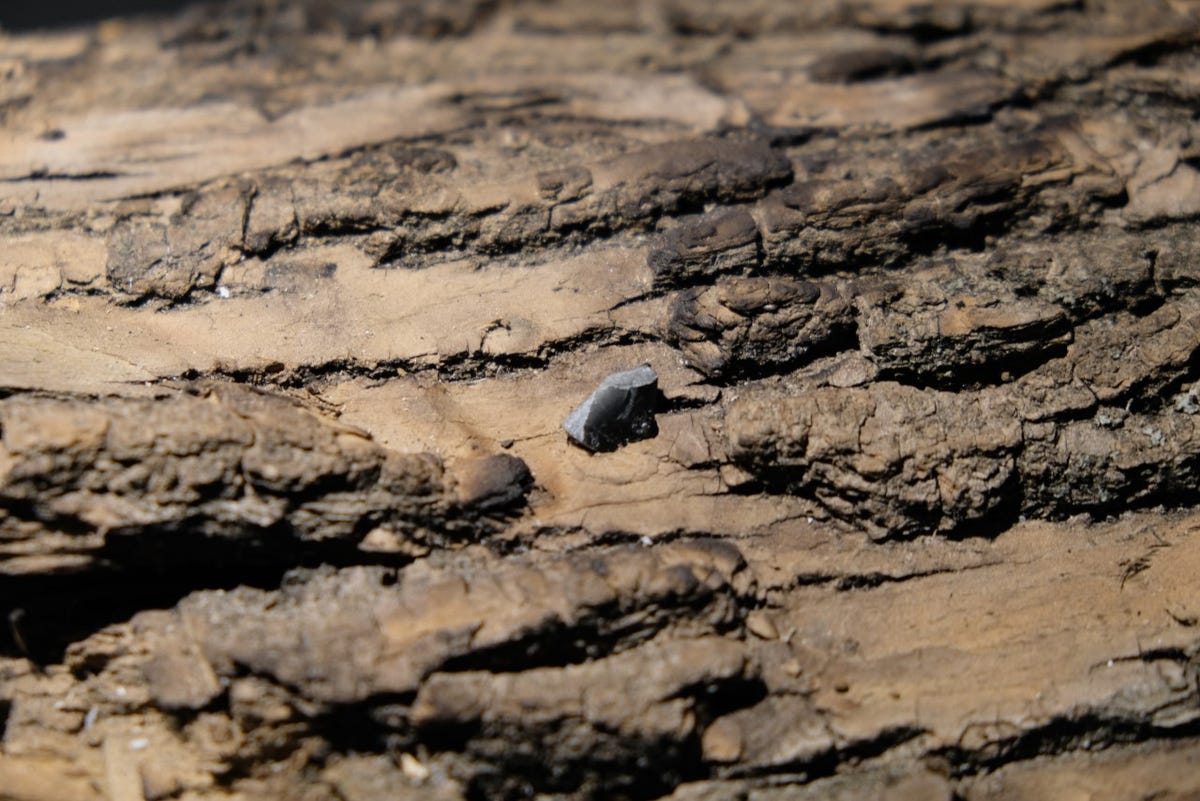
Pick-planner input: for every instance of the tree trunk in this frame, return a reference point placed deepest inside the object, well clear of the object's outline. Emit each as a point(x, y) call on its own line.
point(295, 298)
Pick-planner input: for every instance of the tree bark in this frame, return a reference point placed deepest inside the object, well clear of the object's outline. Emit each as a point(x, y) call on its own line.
point(294, 300)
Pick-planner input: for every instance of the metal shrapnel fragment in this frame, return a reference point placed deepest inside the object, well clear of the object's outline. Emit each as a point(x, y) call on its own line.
point(621, 410)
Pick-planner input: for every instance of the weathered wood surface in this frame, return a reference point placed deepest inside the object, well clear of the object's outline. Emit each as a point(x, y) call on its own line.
point(310, 287)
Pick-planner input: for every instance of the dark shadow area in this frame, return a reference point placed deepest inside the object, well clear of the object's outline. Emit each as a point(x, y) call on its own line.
point(1091, 731)
point(40, 615)
point(22, 15)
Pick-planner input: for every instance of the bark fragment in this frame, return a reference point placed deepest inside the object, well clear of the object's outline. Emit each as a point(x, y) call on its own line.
point(79, 474)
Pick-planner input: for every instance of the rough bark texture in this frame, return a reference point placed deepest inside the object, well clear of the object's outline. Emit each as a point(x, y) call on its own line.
point(294, 298)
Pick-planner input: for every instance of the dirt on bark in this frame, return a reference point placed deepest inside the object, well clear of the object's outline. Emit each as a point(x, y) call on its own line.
point(294, 300)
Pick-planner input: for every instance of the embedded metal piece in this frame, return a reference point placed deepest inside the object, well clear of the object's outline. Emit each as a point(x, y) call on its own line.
point(621, 410)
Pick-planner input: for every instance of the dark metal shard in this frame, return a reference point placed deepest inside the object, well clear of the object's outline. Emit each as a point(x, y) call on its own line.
point(621, 410)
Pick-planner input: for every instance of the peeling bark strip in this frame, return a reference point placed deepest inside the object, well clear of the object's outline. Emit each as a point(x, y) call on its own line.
point(1056, 442)
point(228, 463)
point(296, 297)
